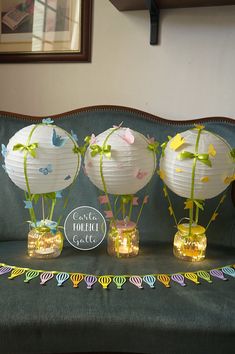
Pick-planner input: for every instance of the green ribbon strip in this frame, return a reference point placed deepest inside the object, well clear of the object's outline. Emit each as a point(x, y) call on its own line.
point(153, 146)
point(203, 158)
point(104, 150)
point(26, 148)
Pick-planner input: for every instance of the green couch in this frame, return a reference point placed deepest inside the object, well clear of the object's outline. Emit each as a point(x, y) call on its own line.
point(179, 320)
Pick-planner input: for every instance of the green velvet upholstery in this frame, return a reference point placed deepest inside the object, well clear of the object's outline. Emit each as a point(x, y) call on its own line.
point(195, 319)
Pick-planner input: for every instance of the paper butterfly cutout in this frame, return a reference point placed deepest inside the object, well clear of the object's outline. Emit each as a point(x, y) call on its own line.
point(211, 150)
point(59, 195)
point(28, 204)
point(67, 178)
point(141, 174)
point(205, 179)
point(93, 139)
point(4, 151)
point(47, 121)
point(128, 137)
point(177, 142)
point(46, 170)
point(57, 140)
point(74, 136)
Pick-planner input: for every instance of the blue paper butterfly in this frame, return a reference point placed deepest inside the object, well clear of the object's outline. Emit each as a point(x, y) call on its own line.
point(47, 121)
point(74, 136)
point(28, 204)
point(59, 195)
point(57, 140)
point(4, 151)
point(46, 170)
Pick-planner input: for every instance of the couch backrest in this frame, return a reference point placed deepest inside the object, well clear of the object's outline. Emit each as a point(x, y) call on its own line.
point(156, 224)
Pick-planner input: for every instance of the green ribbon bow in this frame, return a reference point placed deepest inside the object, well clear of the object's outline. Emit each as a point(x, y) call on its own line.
point(87, 139)
point(153, 146)
point(203, 158)
point(27, 148)
point(126, 198)
point(77, 150)
point(104, 150)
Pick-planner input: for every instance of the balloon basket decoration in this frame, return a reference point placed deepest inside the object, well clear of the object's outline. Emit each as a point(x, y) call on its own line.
point(120, 162)
point(43, 159)
point(44, 242)
point(123, 239)
point(190, 247)
point(196, 165)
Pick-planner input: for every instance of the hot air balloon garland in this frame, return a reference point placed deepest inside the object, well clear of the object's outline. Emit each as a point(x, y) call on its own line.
point(120, 162)
point(197, 165)
point(139, 281)
point(43, 159)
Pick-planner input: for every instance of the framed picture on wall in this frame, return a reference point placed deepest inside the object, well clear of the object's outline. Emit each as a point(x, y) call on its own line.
point(45, 30)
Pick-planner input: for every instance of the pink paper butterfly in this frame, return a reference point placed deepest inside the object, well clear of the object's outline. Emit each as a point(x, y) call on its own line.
point(141, 174)
point(128, 137)
point(103, 199)
point(108, 214)
point(146, 199)
point(93, 139)
point(150, 140)
point(135, 201)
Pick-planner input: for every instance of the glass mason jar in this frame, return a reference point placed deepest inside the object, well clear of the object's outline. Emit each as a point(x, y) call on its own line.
point(43, 243)
point(190, 247)
point(123, 239)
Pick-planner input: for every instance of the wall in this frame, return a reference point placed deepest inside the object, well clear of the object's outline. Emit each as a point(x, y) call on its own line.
point(190, 74)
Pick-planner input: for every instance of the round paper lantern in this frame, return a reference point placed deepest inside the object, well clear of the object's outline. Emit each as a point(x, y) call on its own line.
point(214, 164)
point(43, 155)
point(127, 167)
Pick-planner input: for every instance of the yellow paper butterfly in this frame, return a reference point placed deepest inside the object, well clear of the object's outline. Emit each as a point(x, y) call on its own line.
point(205, 179)
point(177, 142)
point(211, 150)
point(188, 204)
point(161, 174)
point(179, 170)
point(229, 179)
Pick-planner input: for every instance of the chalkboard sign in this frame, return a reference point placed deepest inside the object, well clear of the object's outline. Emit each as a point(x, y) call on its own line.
point(85, 228)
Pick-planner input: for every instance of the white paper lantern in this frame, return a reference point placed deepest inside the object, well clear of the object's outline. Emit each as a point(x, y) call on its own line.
point(209, 181)
point(55, 165)
point(130, 167)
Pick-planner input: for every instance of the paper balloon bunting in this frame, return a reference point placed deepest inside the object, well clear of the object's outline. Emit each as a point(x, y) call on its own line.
point(43, 159)
point(118, 281)
point(121, 161)
point(197, 165)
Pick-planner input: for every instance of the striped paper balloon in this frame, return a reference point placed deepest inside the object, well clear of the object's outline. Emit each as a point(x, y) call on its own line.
point(90, 281)
point(130, 167)
point(45, 277)
point(76, 278)
point(62, 278)
point(136, 280)
point(55, 164)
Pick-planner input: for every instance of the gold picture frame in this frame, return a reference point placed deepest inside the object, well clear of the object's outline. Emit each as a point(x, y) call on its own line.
point(45, 31)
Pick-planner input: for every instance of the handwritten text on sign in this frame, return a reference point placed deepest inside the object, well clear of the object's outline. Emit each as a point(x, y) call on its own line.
point(85, 228)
